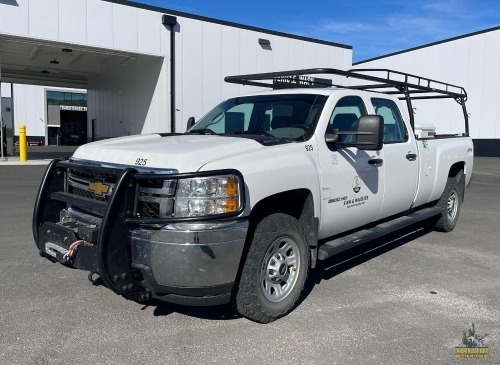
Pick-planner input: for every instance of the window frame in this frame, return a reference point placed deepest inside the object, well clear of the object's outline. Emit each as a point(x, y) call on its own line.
point(405, 129)
point(363, 104)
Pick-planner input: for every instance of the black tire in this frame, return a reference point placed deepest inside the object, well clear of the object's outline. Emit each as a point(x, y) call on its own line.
point(277, 243)
point(451, 203)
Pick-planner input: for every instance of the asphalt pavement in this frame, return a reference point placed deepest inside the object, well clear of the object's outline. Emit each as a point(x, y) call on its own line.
point(404, 299)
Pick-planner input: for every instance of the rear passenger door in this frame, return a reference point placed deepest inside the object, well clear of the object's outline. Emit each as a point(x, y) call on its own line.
point(400, 159)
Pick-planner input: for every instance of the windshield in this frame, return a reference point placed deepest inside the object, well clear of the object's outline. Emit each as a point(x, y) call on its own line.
point(291, 117)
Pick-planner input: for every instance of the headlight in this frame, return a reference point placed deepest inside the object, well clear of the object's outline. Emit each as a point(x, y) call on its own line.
point(205, 196)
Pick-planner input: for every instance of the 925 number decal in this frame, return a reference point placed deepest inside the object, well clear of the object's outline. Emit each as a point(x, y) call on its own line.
point(141, 161)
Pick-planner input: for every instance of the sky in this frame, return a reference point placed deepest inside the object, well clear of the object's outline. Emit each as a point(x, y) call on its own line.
point(374, 28)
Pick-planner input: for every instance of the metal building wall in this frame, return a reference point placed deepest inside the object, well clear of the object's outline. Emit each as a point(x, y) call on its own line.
point(207, 52)
point(131, 98)
point(472, 61)
point(94, 23)
point(30, 107)
point(5, 87)
point(134, 96)
point(122, 101)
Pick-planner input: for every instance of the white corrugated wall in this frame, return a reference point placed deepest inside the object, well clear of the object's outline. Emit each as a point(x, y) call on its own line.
point(472, 62)
point(135, 98)
point(30, 107)
point(207, 52)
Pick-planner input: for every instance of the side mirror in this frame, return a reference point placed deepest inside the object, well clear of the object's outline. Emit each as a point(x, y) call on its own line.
point(370, 133)
point(191, 121)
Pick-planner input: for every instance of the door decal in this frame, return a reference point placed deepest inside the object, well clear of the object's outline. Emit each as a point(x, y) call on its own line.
point(356, 184)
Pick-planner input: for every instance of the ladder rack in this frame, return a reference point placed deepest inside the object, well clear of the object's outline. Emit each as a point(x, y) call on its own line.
point(403, 85)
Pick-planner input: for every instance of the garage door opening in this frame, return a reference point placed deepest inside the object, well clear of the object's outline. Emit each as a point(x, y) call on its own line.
point(111, 93)
point(66, 118)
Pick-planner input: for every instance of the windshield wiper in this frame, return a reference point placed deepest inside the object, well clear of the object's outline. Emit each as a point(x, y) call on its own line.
point(261, 133)
point(202, 131)
point(257, 133)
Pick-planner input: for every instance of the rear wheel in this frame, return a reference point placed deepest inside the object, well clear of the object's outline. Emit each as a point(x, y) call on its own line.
point(450, 202)
point(275, 270)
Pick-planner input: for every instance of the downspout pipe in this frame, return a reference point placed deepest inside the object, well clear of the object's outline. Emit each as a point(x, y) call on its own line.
point(170, 22)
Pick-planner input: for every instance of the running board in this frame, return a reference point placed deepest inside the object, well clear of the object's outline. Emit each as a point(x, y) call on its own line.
point(337, 245)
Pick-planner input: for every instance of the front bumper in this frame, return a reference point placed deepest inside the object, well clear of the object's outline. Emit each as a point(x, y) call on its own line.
point(190, 263)
point(194, 263)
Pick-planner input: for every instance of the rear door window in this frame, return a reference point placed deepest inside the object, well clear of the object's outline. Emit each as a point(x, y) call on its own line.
point(394, 127)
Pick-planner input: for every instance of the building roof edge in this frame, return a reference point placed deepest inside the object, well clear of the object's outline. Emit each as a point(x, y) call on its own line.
point(429, 45)
point(227, 23)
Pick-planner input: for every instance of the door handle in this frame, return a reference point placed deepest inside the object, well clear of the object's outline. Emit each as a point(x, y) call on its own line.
point(375, 161)
point(411, 156)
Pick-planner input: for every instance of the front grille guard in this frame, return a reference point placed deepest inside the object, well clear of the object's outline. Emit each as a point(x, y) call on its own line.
point(53, 194)
point(111, 249)
point(112, 242)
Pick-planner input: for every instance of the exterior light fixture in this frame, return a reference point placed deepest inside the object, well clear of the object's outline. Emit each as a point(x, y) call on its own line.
point(264, 42)
point(169, 20)
point(54, 62)
point(67, 50)
point(44, 72)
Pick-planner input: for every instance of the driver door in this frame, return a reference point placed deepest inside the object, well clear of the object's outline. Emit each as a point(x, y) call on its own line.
point(352, 186)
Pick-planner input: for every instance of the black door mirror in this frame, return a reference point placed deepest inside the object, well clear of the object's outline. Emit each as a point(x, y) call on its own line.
point(370, 133)
point(190, 123)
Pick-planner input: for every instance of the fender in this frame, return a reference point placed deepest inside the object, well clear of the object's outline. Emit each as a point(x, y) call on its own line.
point(274, 170)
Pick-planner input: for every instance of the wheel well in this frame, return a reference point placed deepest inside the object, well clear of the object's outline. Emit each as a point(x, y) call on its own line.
point(456, 168)
point(457, 171)
point(289, 202)
point(297, 203)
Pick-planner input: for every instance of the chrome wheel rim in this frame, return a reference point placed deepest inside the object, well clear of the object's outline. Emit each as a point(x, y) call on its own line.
point(280, 269)
point(452, 206)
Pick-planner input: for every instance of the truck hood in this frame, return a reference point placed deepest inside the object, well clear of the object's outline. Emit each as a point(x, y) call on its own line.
point(185, 153)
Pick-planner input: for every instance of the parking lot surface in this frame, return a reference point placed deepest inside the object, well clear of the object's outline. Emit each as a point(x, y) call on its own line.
point(404, 299)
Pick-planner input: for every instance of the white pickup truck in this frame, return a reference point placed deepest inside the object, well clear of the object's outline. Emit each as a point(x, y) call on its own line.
point(242, 205)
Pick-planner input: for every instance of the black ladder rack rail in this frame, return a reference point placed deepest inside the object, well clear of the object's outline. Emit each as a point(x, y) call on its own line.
point(407, 86)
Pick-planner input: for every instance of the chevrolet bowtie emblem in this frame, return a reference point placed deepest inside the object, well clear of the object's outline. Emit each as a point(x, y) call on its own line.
point(98, 188)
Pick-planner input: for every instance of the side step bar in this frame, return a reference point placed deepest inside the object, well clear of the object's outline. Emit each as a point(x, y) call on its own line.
point(337, 245)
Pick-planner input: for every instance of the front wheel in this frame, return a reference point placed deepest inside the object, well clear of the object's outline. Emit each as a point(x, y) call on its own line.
point(275, 270)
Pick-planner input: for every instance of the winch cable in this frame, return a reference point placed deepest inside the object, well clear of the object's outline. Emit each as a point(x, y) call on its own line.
point(73, 248)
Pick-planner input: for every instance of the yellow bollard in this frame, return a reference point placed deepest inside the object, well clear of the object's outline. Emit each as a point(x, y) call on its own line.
point(23, 156)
